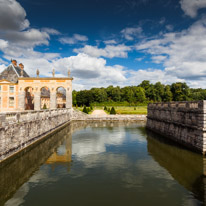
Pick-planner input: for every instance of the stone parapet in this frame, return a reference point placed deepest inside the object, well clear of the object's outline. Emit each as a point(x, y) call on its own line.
point(184, 122)
point(20, 129)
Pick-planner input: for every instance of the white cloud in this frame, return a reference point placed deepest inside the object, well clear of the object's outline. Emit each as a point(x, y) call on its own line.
point(169, 27)
point(139, 59)
point(162, 20)
point(190, 7)
point(153, 75)
point(110, 51)
point(3, 44)
point(185, 51)
point(131, 32)
point(17, 39)
point(74, 39)
point(110, 41)
point(51, 31)
point(87, 71)
point(158, 59)
point(12, 16)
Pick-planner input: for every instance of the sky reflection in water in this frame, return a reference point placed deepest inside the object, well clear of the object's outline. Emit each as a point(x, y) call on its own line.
point(113, 165)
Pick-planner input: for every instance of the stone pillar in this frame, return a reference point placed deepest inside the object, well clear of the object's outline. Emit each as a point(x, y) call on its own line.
point(37, 100)
point(69, 97)
point(21, 100)
point(53, 100)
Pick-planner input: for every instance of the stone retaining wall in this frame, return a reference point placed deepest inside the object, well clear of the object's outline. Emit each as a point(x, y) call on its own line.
point(184, 122)
point(18, 130)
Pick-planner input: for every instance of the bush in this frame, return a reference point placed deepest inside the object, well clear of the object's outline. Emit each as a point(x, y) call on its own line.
point(108, 109)
point(112, 111)
point(91, 108)
point(85, 110)
point(44, 107)
point(105, 108)
point(135, 108)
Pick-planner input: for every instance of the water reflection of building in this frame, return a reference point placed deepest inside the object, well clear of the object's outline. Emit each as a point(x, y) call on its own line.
point(14, 172)
point(186, 167)
point(63, 155)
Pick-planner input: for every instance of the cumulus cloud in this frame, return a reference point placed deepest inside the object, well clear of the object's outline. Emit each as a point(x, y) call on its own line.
point(87, 71)
point(153, 75)
point(74, 39)
point(110, 51)
point(16, 37)
point(190, 7)
point(3, 44)
point(131, 32)
point(12, 16)
point(185, 51)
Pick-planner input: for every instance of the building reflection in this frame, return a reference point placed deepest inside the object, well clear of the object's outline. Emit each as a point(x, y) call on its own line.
point(16, 171)
point(186, 167)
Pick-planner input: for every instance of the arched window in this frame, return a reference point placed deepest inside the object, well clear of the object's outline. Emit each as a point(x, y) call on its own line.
point(29, 98)
point(61, 97)
point(45, 98)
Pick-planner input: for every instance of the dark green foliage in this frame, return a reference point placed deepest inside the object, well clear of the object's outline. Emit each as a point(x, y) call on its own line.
point(44, 107)
point(108, 110)
point(91, 108)
point(112, 111)
point(85, 110)
point(105, 108)
point(135, 108)
point(135, 95)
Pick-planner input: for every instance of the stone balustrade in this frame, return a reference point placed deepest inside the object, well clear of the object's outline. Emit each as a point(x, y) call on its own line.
point(184, 122)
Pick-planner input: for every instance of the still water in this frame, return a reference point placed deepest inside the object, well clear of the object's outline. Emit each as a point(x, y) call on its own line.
point(104, 164)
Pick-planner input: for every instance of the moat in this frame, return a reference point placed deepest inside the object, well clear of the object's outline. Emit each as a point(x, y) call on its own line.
point(104, 163)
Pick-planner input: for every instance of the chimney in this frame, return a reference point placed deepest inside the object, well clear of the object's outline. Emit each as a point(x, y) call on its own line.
point(14, 62)
point(21, 66)
point(22, 69)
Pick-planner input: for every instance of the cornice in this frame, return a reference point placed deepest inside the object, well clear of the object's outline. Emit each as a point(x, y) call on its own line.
point(45, 78)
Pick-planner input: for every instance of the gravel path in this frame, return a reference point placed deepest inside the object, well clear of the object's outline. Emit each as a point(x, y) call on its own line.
point(98, 112)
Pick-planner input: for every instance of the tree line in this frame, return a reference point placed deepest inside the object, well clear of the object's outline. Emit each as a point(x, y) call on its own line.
point(141, 94)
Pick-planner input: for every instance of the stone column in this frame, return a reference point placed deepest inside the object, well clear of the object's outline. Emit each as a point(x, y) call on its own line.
point(69, 97)
point(37, 100)
point(53, 100)
point(21, 100)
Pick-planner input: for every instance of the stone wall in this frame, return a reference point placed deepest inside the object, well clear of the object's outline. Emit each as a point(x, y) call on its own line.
point(184, 122)
point(20, 129)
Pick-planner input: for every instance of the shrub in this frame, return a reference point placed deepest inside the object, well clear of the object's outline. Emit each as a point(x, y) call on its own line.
point(85, 110)
point(44, 107)
point(91, 108)
point(112, 111)
point(135, 108)
point(105, 108)
point(108, 109)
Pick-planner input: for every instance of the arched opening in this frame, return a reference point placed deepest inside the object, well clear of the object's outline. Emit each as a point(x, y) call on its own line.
point(29, 98)
point(61, 97)
point(45, 98)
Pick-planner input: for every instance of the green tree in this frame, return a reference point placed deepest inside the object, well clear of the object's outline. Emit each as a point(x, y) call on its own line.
point(112, 111)
point(85, 110)
point(139, 94)
point(180, 91)
point(167, 94)
point(44, 107)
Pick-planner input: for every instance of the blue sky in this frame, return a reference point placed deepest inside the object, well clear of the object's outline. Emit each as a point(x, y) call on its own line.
point(102, 42)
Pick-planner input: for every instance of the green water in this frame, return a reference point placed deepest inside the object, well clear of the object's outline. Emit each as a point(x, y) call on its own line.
point(104, 164)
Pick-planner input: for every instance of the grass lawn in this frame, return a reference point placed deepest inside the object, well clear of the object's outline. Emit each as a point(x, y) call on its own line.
point(124, 109)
